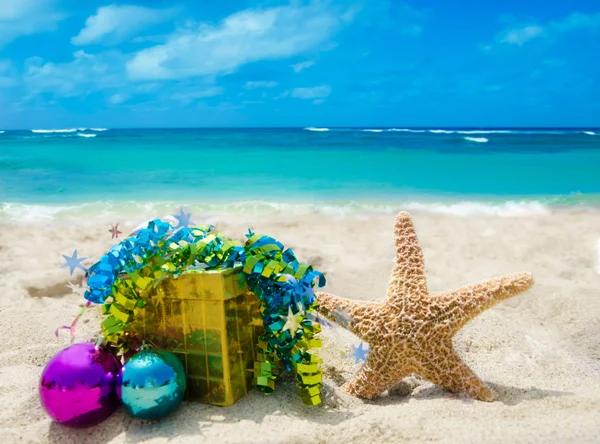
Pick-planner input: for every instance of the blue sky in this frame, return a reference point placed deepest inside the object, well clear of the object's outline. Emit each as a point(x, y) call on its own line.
point(68, 63)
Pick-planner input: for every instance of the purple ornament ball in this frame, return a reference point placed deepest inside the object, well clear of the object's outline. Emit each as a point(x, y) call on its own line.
point(77, 387)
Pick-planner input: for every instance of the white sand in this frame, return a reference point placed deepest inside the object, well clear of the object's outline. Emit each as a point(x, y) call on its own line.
point(539, 351)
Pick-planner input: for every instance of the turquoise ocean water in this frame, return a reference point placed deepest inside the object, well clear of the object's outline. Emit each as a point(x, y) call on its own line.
point(343, 167)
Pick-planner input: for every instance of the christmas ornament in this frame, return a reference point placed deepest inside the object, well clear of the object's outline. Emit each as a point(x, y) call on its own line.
point(151, 384)
point(77, 387)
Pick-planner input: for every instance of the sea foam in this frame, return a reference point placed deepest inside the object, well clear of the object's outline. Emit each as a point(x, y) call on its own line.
point(86, 135)
point(373, 130)
point(405, 130)
point(471, 208)
point(44, 131)
point(316, 129)
point(442, 131)
point(476, 139)
point(484, 131)
point(137, 211)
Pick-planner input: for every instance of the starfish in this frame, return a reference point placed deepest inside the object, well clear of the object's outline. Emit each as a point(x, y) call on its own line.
point(411, 331)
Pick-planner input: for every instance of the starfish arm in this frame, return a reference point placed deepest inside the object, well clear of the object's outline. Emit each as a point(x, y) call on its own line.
point(408, 275)
point(370, 381)
point(359, 312)
point(462, 305)
point(449, 372)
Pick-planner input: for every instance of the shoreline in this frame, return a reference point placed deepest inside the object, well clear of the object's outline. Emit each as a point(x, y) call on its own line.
point(16, 212)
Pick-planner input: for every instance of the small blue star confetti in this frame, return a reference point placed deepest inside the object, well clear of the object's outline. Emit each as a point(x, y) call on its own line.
point(115, 231)
point(183, 219)
point(73, 262)
point(359, 353)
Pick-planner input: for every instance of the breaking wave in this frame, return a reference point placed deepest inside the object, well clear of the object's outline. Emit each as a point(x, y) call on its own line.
point(86, 135)
point(558, 132)
point(140, 210)
point(44, 131)
point(443, 131)
point(504, 209)
point(476, 139)
point(405, 130)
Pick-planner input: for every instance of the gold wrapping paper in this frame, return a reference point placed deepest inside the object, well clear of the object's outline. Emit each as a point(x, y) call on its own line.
point(209, 320)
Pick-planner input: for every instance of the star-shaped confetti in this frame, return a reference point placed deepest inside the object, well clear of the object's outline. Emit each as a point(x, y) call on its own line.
point(79, 289)
point(359, 353)
point(115, 231)
point(75, 288)
point(73, 262)
point(291, 321)
point(183, 219)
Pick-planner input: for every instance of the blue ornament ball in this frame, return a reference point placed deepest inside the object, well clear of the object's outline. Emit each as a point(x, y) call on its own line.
point(151, 384)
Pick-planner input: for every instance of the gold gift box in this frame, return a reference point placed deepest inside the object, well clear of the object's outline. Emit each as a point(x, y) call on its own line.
point(210, 320)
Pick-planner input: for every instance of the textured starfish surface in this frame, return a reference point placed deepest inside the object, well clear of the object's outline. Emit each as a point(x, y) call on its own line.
point(411, 331)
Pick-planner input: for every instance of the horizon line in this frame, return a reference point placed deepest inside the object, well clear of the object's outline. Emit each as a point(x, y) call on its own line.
point(484, 127)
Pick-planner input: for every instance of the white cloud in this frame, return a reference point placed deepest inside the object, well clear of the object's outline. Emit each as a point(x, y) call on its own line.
point(302, 65)
point(521, 34)
point(117, 99)
point(115, 23)
point(260, 84)
point(317, 92)
point(396, 16)
point(192, 95)
point(578, 21)
point(411, 19)
point(283, 95)
point(85, 73)
point(26, 17)
point(88, 73)
point(243, 37)
point(7, 77)
point(412, 30)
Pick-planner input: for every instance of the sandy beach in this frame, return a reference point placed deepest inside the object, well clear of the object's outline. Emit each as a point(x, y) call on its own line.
point(539, 351)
